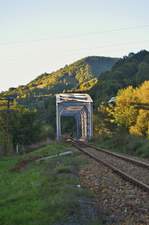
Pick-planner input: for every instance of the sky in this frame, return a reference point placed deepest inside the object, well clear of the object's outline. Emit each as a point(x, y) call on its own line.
point(38, 36)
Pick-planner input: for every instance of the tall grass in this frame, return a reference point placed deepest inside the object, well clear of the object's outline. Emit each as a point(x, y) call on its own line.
point(123, 142)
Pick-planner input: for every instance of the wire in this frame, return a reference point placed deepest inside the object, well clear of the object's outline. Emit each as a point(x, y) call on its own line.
point(73, 36)
point(107, 46)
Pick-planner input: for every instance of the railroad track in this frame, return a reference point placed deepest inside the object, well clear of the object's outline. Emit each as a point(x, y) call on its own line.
point(131, 170)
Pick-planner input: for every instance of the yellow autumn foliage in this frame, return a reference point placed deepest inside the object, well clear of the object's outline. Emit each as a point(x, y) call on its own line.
point(125, 112)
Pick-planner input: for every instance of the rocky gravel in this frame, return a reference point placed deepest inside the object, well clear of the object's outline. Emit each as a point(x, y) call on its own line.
point(119, 202)
point(133, 170)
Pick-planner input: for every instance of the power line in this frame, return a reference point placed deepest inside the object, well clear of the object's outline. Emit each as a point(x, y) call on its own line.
point(116, 30)
point(113, 45)
point(74, 36)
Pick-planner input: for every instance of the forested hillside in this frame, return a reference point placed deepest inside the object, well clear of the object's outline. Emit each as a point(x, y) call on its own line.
point(130, 70)
point(124, 124)
point(81, 74)
point(31, 117)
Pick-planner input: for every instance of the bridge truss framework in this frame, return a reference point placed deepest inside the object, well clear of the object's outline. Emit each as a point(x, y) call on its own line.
point(79, 106)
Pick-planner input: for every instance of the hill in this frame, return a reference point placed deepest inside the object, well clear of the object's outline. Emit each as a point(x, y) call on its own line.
point(130, 70)
point(87, 75)
point(71, 77)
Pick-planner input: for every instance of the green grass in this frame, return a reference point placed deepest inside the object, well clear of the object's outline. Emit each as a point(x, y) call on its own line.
point(43, 193)
point(125, 143)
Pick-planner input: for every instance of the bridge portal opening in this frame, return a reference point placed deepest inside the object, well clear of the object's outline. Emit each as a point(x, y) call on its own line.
point(68, 126)
point(78, 106)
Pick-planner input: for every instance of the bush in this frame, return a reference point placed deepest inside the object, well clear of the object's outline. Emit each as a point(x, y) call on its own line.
point(123, 142)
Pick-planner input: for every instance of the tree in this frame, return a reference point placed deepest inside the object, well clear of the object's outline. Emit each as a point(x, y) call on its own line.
point(124, 113)
point(141, 127)
point(128, 112)
point(20, 127)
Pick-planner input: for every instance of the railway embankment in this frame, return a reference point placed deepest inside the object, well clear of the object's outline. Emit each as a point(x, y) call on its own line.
point(120, 184)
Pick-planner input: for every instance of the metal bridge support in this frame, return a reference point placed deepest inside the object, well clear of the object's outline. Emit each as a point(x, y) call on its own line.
point(90, 120)
point(78, 127)
point(58, 122)
point(80, 107)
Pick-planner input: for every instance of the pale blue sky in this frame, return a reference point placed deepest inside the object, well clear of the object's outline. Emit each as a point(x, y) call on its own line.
point(39, 36)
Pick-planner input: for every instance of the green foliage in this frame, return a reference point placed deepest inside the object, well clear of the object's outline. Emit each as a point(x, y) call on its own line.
point(102, 126)
point(68, 126)
point(28, 127)
point(87, 75)
point(121, 141)
point(21, 127)
point(25, 127)
point(131, 70)
point(65, 79)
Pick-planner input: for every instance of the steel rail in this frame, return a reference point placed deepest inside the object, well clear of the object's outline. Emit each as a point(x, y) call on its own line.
point(122, 174)
point(125, 158)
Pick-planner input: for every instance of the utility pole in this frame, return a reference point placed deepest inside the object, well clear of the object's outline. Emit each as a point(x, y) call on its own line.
point(9, 100)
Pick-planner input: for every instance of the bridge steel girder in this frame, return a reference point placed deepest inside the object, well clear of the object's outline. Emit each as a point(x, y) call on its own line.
point(80, 106)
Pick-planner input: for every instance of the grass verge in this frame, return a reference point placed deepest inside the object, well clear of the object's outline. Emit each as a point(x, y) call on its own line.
point(45, 192)
point(125, 143)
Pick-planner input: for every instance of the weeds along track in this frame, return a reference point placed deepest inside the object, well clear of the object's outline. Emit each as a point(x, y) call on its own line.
point(134, 171)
